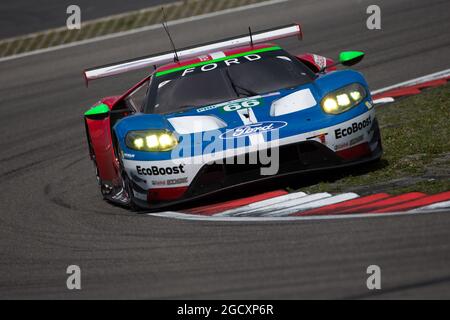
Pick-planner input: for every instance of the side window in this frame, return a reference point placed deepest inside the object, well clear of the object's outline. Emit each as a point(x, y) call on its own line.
point(135, 99)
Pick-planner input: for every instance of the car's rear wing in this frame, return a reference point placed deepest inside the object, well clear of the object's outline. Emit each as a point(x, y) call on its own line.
point(194, 51)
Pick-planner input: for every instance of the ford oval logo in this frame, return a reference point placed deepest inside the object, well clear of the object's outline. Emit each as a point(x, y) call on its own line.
point(253, 128)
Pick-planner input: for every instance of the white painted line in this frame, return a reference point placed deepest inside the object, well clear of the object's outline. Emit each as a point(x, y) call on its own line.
point(262, 204)
point(285, 205)
point(313, 204)
point(437, 205)
point(182, 216)
point(426, 78)
point(146, 28)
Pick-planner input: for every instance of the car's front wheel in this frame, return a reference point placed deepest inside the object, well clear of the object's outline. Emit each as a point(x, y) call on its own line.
point(126, 194)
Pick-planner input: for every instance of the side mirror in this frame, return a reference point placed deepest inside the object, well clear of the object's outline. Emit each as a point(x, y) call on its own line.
point(350, 58)
point(98, 112)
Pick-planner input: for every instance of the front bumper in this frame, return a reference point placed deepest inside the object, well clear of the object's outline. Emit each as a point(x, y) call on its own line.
point(298, 158)
point(158, 184)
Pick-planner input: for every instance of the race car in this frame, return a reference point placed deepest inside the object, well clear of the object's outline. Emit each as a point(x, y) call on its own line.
point(226, 114)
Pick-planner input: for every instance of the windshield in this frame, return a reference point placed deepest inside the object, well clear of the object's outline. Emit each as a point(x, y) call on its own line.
point(219, 81)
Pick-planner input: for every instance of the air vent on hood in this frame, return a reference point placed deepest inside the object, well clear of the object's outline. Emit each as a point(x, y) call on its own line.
point(194, 124)
point(300, 100)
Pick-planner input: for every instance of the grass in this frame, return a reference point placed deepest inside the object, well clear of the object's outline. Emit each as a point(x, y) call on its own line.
point(428, 186)
point(415, 135)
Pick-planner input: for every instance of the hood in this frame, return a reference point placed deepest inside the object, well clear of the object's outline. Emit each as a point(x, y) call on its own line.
point(298, 107)
point(273, 106)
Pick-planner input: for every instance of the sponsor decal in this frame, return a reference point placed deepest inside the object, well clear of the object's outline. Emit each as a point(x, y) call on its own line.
point(156, 171)
point(356, 140)
point(369, 105)
point(177, 181)
point(240, 103)
point(169, 182)
point(244, 104)
point(341, 146)
point(227, 63)
point(353, 128)
point(234, 106)
point(321, 61)
point(209, 108)
point(128, 156)
point(254, 128)
point(208, 65)
point(158, 183)
point(204, 58)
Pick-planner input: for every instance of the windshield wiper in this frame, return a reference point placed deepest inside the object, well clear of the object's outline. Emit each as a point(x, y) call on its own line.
point(247, 92)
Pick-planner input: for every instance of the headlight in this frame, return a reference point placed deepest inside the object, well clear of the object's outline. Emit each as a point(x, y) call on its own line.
point(343, 99)
point(151, 140)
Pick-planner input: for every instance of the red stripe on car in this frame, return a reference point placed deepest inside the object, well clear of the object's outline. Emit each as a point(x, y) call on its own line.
point(354, 152)
point(165, 194)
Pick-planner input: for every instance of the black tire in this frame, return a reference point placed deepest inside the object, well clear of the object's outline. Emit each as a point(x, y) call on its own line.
point(127, 186)
point(128, 189)
point(101, 185)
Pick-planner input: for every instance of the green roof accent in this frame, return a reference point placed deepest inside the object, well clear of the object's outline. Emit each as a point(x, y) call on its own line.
point(99, 109)
point(158, 74)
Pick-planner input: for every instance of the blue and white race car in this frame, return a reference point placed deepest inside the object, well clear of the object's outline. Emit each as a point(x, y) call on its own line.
point(225, 114)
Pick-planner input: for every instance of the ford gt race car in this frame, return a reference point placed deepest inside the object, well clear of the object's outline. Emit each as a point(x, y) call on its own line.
point(224, 114)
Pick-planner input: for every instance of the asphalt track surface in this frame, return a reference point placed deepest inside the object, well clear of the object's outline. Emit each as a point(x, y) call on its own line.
point(52, 215)
point(18, 17)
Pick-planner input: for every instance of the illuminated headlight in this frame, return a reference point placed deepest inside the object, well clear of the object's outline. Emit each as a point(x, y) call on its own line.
point(151, 140)
point(343, 99)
